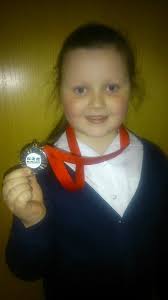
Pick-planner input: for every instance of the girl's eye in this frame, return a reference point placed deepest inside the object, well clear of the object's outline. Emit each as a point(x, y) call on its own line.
point(111, 88)
point(80, 90)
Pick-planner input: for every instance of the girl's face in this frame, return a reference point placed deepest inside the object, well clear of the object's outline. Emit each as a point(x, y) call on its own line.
point(95, 91)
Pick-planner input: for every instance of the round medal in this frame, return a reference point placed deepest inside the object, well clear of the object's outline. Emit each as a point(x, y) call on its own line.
point(34, 157)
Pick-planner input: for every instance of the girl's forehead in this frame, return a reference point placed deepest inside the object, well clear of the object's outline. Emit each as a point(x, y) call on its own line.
point(89, 62)
point(108, 53)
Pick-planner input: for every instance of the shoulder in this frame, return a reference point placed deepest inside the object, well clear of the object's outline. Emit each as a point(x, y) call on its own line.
point(154, 155)
point(149, 145)
point(155, 151)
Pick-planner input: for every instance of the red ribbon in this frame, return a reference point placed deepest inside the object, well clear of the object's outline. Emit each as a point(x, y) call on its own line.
point(57, 159)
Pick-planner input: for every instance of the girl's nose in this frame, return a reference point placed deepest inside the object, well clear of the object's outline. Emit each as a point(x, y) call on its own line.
point(97, 99)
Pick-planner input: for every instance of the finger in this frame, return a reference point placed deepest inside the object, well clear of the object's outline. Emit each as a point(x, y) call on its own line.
point(36, 189)
point(23, 198)
point(17, 173)
point(14, 193)
point(14, 182)
point(33, 180)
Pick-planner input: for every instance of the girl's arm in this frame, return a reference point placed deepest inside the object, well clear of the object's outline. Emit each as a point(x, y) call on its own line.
point(30, 251)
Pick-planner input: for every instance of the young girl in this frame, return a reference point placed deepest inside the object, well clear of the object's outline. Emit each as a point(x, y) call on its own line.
point(94, 220)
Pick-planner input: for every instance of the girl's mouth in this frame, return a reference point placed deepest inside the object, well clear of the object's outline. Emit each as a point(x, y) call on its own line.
point(96, 119)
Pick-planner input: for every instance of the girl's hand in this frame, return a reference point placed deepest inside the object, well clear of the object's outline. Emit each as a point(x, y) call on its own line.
point(23, 196)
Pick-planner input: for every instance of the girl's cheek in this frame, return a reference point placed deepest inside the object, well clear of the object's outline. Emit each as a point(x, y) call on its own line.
point(124, 108)
point(74, 105)
point(68, 110)
point(71, 111)
point(120, 104)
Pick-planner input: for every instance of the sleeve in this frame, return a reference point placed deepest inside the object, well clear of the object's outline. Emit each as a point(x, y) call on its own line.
point(157, 161)
point(32, 252)
point(162, 259)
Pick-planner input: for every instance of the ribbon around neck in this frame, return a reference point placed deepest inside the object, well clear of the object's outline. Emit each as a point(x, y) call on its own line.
point(58, 157)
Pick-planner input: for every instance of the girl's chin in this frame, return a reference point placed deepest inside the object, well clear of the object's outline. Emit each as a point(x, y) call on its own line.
point(97, 129)
point(96, 133)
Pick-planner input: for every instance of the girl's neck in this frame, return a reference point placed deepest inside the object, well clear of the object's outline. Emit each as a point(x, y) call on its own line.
point(98, 144)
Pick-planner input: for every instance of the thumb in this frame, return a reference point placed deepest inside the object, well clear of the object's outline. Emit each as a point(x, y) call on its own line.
point(37, 194)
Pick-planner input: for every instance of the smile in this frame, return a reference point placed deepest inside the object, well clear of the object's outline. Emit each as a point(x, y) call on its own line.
point(96, 119)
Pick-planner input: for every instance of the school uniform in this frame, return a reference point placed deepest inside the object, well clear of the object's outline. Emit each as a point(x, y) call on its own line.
point(109, 237)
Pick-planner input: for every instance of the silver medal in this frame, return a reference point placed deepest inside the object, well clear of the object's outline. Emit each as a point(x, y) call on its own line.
point(33, 156)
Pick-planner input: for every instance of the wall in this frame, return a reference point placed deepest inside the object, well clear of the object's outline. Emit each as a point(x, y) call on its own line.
point(31, 34)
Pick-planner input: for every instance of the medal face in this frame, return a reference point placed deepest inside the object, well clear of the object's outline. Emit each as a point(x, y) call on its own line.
point(33, 157)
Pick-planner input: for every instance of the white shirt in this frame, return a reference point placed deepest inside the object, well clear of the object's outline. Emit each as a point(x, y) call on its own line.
point(115, 180)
